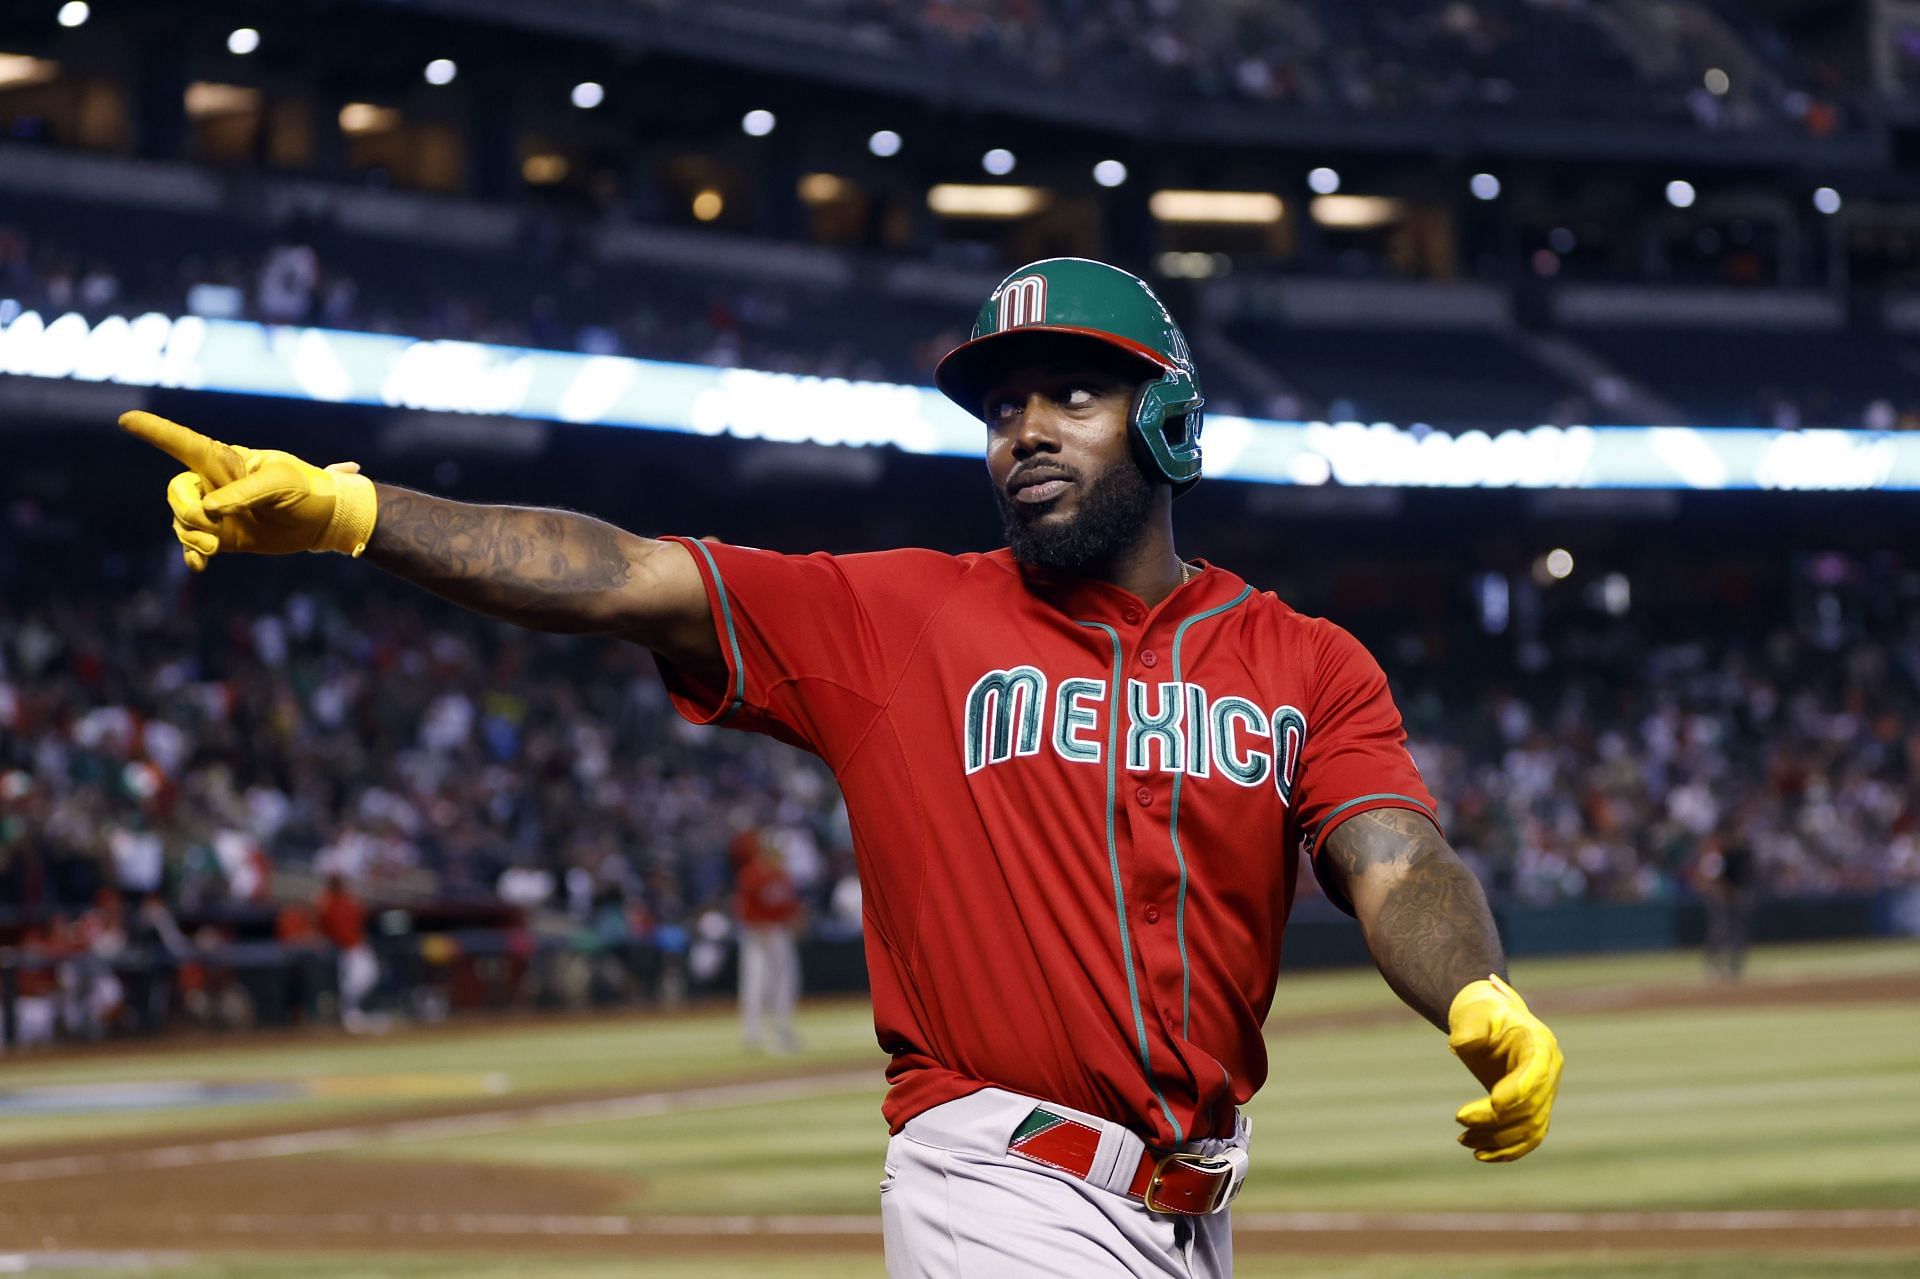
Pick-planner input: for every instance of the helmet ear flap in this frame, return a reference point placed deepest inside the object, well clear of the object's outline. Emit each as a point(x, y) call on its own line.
point(1165, 424)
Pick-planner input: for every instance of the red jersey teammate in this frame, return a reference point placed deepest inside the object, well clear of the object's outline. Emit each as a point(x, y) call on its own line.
point(1077, 770)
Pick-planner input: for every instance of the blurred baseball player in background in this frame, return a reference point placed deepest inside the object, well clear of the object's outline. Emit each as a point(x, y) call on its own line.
point(766, 906)
point(1077, 772)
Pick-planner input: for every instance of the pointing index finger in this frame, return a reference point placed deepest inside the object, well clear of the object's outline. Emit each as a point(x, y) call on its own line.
point(199, 453)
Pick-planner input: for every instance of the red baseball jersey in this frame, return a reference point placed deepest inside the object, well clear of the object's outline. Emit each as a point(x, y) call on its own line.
point(1075, 815)
point(764, 894)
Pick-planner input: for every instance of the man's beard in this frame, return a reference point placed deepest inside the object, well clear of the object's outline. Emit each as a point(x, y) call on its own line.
point(1110, 520)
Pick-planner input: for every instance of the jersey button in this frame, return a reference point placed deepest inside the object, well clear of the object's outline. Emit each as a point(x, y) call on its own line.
point(1149, 658)
point(1153, 914)
point(1131, 616)
point(1143, 796)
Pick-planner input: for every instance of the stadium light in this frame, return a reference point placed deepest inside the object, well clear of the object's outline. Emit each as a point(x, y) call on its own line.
point(965, 200)
point(441, 71)
point(1216, 206)
point(757, 123)
point(1717, 82)
point(1193, 266)
point(74, 13)
point(1680, 194)
point(205, 99)
point(242, 41)
point(822, 188)
point(19, 69)
point(1323, 181)
point(364, 117)
point(1355, 212)
point(1827, 200)
point(1484, 186)
point(884, 143)
point(587, 95)
point(999, 162)
point(1109, 173)
point(1559, 564)
point(708, 205)
point(544, 169)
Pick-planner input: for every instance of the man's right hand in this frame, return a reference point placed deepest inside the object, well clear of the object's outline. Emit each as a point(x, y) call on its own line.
point(265, 501)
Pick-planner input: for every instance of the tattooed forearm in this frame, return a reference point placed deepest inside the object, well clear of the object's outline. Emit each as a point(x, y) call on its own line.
point(1423, 913)
point(549, 570)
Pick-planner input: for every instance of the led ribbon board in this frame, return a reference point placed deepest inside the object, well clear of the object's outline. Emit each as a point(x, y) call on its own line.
point(329, 366)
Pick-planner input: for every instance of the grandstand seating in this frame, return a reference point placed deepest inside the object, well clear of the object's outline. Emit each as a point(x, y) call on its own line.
point(1398, 57)
point(1449, 378)
point(1760, 377)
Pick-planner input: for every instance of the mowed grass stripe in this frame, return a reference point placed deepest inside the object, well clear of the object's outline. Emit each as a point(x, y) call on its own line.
point(1710, 1108)
point(632, 1051)
point(535, 1055)
point(1362, 1119)
point(483, 1122)
point(820, 1156)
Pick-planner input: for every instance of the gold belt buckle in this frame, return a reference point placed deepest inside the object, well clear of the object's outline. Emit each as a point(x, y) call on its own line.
point(1212, 1164)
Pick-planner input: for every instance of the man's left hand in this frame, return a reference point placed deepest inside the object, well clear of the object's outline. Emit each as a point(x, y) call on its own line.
point(1515, 1057)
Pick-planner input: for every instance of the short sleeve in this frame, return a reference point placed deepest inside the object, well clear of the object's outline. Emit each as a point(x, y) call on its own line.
point(812, 644)
point(1355, 758)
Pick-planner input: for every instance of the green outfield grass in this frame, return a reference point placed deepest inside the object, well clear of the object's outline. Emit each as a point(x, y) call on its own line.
point(636, 1050)
point(1699, 1108)
point(1737, 1107)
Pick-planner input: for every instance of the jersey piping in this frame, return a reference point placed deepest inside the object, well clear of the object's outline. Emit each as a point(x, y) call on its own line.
point(1407, 801)
point(1173, 819)
point(1119, 888)
point(739, 695)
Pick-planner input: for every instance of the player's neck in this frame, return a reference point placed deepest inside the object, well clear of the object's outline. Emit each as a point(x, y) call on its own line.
point(1151, 568)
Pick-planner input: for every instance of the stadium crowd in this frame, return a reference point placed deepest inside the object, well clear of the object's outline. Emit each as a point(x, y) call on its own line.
point(186, 756)
point(558, 298)
point(1613, 782)
point(1565, 58)
point(412, 751)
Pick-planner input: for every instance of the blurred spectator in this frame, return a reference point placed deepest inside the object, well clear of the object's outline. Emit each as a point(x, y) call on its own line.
point(93, 991)
point(288, 278)
point(768, 908)
point(36, 1005)
point(343, 922)
point(1726, 881)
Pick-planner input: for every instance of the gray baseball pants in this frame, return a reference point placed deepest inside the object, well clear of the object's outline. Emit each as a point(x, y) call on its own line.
point(955, 1205)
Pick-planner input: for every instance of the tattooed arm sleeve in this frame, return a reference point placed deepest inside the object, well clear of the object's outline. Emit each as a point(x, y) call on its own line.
point(1421, 910)
point(549, 570)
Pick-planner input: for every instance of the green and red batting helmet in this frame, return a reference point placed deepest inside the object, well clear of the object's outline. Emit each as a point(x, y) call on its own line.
point(1036, 310)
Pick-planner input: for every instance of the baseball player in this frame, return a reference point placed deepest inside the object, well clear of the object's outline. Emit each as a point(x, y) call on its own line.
point(767, 906)
point(1077, 771)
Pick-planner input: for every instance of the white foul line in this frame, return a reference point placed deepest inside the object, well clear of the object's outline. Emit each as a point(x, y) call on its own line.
point(481, 1123)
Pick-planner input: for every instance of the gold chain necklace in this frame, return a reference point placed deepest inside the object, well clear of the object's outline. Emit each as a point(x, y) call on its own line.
point(1186, 572)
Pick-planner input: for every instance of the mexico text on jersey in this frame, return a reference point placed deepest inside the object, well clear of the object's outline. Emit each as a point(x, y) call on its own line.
point(1075, 815)
point(1168, 727)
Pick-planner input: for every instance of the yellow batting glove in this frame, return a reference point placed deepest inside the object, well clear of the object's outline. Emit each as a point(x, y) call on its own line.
point(265, 501)
point(1515, 1057)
